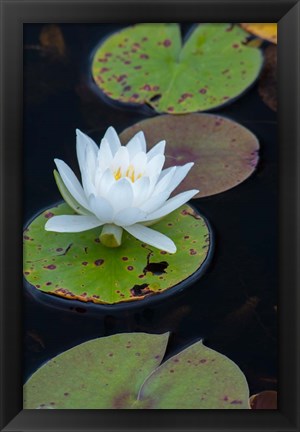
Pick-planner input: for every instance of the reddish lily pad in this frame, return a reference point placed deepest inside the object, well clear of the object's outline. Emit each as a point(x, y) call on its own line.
point(225, 153)
point(78, 266)
point(264, 400)
point(148, 64)
point(122, 372)
point(267, 86)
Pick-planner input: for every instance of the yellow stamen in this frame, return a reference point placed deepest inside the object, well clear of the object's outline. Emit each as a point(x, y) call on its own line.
point(130, 173)
point(118, 174)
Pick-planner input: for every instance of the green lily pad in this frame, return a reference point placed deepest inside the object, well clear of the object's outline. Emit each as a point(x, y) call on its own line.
point(122, 371)
point(147, 64)
point(78, 266)
point(225, 153)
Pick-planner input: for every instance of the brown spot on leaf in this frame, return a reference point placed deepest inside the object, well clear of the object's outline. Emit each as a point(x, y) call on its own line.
point(185, 96)
point(50, 267)
point(121, 401)
point(140, 290)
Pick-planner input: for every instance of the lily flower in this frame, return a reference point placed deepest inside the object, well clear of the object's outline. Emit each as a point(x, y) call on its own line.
point(123, 187)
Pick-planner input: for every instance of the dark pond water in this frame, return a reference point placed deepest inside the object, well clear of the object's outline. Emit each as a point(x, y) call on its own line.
point(233, 306)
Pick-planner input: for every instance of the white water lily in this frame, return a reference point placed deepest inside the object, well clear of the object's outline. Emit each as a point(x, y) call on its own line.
point(123, 187)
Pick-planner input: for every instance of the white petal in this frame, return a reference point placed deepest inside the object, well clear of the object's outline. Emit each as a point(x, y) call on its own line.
point(120, 195)
point(72, 224)
point(137, 144)
point(165, 181)
point(104, 157)
point(180, 174)
point(159, 148)
point(155, 202)
point(154, 167)
point(151, 237)
point(142, 139)
point(140, 190)
point(121, 160)
point(112, 137)
point(172, 204)
point(104, 183)
point(88, 173)
point(164, 172)
point(71, 182)
point(129, 216)
point(101, 208)
point(139, 162)
point(82, 142)
point(69, 199)
point(87, 151)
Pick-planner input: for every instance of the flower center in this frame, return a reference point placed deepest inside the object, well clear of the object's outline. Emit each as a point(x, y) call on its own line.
point(130, 173)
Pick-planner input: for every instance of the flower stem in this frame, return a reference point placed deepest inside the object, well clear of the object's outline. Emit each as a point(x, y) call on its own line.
point(111, 235)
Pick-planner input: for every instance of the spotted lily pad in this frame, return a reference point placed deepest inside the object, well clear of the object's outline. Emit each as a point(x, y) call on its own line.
point(122, 371)
point(148, 64)
point(266, 31)
point(78, 266)
point(225, 153)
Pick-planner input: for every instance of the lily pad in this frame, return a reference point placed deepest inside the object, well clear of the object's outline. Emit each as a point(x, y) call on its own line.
point(122, 371)
point(52, 41)
point(264, 400)
point(148, 64)
point(78, 266)
point(266, 31)
point(267, 86)
point(225, 153)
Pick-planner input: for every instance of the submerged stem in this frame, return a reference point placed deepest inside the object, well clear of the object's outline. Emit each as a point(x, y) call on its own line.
point(111, 235)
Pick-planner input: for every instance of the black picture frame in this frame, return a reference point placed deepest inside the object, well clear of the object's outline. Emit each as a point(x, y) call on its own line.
point(13, 15)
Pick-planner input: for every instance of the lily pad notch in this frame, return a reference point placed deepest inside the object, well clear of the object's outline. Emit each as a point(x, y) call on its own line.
point(147, 64)
point(126, 371)
point(77, 266)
